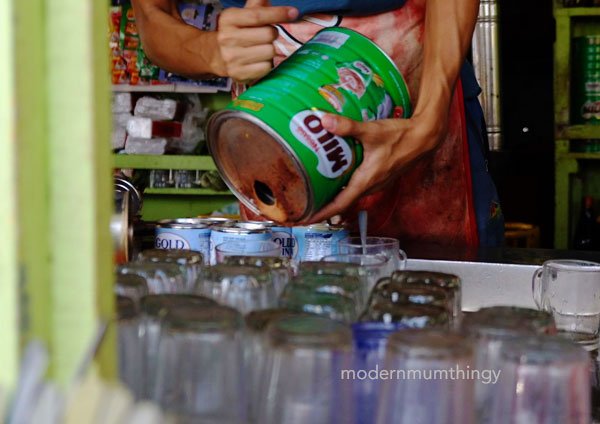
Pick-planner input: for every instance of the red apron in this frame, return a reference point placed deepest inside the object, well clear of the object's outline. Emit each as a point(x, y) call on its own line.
point(433, 201)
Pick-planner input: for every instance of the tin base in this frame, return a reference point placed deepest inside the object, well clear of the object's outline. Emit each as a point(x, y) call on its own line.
point(259, 169)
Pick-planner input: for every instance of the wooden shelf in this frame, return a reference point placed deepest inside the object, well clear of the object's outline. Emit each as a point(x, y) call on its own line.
point(187, 191)
point(577, 11)
point(578, 132)
point(164, 88)
point(575, 155)
point(191, 162)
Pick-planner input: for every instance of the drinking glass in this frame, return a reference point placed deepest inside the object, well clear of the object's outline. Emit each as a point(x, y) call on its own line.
point(190, 260)
point(491, 329)
point(449, 282)
point(132, 286)
point(336, 284)
point(370, 341)
point(281, 267)
point(153, 308)
point(247, 248)
point(410, 315)
point(543, 380)
point(388, 291)
point(303, 381)
point(244, 287)
point(162, 278)
point(200, 365)
point(390, 247)
point(303, 298)
point(570, 291)
point(255, 350)
point(129, 345)
point(430, 390)
point(375, 266)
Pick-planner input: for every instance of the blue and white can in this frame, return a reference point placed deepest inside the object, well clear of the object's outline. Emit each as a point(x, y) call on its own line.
point(235, 232)
point(281, 235)
point(316, 241)
point(183, 233)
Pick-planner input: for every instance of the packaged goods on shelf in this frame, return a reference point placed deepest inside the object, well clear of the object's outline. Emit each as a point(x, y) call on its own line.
point(121, 119)
point(131, 66)
point(155, 109)
point(145, 146)
point(121, 103)
point(147, 128)
point(119, 135)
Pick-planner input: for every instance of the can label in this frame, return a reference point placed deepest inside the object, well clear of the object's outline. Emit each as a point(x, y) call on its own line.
point(221, 234)
point(283, 236)
point(317, 241)
point(197, 239)
point(338, 71)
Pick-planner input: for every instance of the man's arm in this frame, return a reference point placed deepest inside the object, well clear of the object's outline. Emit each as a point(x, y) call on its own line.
point(391, 146)
point(242, 48)
point(172, 44)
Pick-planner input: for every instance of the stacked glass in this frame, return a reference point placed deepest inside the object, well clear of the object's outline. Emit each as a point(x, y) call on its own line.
point(191, 262)
point(431, 390)
point(303, 380)
point(448, 282)
point(491, 329)
point(153, 309)
point(199, 376)
point(281, 268)
point(335, 297)
point(244, 287)
point(161, 278)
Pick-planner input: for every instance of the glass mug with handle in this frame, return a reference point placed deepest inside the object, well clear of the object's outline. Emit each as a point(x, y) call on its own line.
point(387, 246)
point(570, 291)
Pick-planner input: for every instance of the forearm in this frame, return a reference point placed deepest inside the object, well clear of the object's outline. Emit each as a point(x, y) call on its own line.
point(449, 28)
point(174, 45)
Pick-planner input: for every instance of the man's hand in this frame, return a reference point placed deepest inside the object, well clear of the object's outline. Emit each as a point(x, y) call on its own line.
point(246, 35)
point(390, 147)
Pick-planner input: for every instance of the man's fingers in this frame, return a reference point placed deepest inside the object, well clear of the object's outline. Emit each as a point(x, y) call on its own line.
point(248, 37)
point(343, 126)
point(342, 201)
point(258, 16)
point(261, 53)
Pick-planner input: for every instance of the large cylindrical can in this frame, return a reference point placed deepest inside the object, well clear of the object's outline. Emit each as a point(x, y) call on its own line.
point(269, 143)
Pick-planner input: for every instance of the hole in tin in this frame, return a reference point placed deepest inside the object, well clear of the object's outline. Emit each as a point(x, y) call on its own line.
point(264, 193)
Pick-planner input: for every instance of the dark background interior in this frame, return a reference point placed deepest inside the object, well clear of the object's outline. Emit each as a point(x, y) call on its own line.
point(524, 169)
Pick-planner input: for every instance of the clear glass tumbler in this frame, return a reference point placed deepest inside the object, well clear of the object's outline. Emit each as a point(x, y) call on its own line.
point(427, 380)
point(303, 380)
point(244, 287)
point(543, 380)
point(200, 365)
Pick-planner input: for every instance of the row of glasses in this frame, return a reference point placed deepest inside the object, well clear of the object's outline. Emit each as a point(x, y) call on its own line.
point(492, 329)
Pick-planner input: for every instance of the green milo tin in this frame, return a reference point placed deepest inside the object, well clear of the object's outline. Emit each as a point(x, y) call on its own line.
point(269, 144)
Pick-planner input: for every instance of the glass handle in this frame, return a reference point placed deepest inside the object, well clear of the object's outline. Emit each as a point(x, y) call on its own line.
point(403, 258)
point(536, 287)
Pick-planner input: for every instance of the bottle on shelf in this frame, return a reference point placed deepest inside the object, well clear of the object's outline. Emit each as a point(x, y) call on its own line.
point(586, 234)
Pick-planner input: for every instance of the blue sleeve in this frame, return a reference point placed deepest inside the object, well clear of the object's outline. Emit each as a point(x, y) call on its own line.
point(339, 7)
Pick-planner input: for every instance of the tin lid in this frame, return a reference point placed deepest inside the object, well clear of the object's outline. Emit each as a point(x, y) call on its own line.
point(177, 256)
point(182, 223)
point(268, 177)
point(234, 229)
point(215, 220)
point(255, 224)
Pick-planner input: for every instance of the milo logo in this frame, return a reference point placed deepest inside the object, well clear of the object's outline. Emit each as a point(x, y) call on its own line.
point(333, 152)
point(170, 241)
